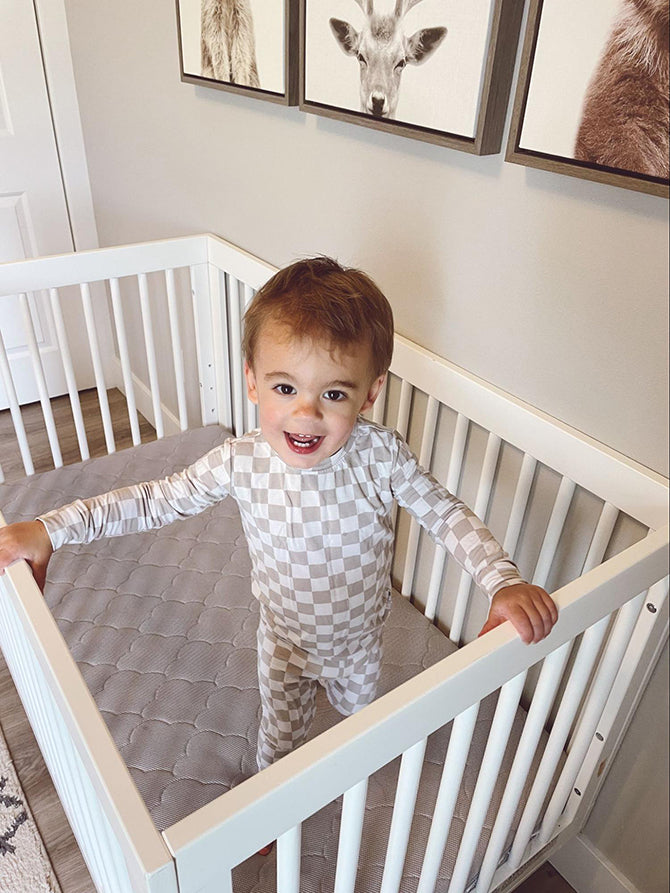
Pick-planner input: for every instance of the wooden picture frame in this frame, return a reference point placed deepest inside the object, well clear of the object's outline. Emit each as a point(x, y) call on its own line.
point(267, 66)
point(482, 36)
point(570, 110)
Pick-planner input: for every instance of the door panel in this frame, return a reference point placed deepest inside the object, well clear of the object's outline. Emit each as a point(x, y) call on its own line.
point(33, 210)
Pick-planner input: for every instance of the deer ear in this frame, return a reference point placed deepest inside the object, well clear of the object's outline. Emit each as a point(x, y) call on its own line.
point(346, 36)
point(424, 43)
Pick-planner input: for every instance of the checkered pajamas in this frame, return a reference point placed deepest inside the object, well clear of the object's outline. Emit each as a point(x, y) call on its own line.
point(320, 541)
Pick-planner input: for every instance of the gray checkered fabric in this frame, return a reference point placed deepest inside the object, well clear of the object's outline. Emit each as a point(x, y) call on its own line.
point(320, 542)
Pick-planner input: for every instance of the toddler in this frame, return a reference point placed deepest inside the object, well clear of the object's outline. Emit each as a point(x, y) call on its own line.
point(315, 485)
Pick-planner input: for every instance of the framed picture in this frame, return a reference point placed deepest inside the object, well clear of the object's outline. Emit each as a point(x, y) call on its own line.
point(592, 98)
point(243, 46)
point(435, 70)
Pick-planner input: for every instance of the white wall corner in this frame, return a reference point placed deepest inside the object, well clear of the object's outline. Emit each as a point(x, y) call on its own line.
point(586, 869)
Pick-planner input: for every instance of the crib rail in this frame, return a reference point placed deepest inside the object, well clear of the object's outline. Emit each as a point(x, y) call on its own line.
point(123, 850)
point(136, 303)
point(208, 844)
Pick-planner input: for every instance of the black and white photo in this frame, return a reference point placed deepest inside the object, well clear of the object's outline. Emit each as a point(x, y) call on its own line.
point(240, 45)
point(421, 67)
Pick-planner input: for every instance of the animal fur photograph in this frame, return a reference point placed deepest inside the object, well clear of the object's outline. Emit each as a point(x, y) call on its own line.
point(420, 62)
point(596, 93)
point(234, 43)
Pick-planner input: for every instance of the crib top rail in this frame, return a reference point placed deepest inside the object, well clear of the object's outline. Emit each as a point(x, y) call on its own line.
point(632, 488)
point(59, 271)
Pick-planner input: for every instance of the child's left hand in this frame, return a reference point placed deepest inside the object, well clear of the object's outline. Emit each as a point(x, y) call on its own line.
point(531, 610)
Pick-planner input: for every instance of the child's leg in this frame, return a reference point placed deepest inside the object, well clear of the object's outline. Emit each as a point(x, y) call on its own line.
point(288, 700)
point(357, 685)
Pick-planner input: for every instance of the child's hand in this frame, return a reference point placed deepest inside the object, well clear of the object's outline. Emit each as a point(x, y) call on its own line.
point(531, 610)
point(28, 540)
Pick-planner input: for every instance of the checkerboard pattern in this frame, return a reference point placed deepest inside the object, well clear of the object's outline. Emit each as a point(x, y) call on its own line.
point(320, 542)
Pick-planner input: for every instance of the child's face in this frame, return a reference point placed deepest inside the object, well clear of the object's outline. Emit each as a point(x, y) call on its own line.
point(308, 396)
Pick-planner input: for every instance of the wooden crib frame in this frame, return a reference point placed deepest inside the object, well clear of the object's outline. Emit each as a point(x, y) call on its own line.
point(612, 625)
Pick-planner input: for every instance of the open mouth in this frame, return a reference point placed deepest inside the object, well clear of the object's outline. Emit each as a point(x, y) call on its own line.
point(303, 443)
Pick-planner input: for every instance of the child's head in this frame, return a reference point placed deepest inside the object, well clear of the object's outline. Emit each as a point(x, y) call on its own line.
point(318, 343)
point(319, 300)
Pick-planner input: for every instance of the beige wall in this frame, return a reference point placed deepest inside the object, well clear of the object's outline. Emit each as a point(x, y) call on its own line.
point(553, 288)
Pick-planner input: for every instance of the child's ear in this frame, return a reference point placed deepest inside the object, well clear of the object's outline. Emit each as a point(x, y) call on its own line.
point(373, 392)
point(252, 392)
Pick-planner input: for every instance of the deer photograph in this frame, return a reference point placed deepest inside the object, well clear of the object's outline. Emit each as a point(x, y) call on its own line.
point(415, 66)
point(383, 47)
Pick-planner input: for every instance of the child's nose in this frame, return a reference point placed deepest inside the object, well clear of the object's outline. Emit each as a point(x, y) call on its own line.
point(307, 407)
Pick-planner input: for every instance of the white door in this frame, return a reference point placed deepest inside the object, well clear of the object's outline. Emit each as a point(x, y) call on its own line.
point(33, 210)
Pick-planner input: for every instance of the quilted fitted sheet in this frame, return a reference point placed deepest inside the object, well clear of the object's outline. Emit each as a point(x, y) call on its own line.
point(162, 626)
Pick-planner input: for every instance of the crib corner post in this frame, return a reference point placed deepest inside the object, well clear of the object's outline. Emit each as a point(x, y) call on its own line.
point(204, 340)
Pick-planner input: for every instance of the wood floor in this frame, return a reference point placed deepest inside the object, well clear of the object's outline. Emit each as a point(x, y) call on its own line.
point(42, 798)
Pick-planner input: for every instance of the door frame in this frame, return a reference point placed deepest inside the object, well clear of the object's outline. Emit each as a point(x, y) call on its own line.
point(60, 80)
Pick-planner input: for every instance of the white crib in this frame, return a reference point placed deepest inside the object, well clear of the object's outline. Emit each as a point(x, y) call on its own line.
point(583, 521)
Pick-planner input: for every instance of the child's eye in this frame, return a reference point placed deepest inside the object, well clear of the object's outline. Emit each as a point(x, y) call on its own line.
point(335, 396)
point(286, 390)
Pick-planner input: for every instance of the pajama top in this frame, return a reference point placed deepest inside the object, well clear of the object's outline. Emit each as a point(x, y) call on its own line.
point(320, 539)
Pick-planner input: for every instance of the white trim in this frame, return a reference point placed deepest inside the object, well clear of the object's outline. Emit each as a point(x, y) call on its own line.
point(61, 87)
point(586, 869)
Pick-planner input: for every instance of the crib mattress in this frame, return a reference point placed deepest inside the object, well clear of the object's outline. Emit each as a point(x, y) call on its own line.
point(162, 626)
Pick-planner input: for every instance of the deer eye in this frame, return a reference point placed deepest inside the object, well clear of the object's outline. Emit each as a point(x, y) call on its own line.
point(400, 65)
point(361, 59)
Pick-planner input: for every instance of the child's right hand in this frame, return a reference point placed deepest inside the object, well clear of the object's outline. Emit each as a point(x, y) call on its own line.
point(28, 540)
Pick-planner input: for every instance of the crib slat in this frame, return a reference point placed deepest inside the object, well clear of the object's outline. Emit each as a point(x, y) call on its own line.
point(402, 421)
point(453, 480)
point(252, 409)
point(15, 409)
point(66, 358)
point(120, 326)
point(288, 861)
point(578, 679)
point(150, 348)
point(601, 537)
point(236, 354)
point(380, 404)
point(425, 454)
point(177, 351)
point(97, 366)
point(554, 530)
point(403, 813)
point(351, 828)
point(508, 702)
point(600, 689)
point(545, 692)
point(447, 795)
point(519, 505)
point(481, 510)
point(40, 381)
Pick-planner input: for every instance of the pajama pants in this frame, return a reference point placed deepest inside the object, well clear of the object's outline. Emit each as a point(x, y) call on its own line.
point(288, 679)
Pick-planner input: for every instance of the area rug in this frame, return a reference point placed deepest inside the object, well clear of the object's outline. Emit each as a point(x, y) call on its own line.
point(24, 864)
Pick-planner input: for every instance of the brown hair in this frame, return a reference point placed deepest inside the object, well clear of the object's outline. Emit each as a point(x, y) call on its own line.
point(319, 299)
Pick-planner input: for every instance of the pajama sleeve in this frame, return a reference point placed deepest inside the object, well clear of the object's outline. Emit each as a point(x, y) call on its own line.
point(143, 506)
point(451, 523)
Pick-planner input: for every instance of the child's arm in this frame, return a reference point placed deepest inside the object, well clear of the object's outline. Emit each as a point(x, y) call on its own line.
point(30, 541)
point(450, 522)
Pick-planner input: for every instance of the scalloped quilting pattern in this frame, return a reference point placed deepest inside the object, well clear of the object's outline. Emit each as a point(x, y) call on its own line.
point(163, 627)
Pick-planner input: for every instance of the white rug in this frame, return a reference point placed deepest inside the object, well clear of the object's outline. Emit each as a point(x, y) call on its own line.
point(24, 864)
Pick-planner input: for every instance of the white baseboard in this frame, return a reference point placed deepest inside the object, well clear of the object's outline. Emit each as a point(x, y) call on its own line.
point(587, 870)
